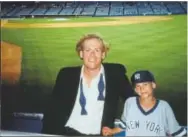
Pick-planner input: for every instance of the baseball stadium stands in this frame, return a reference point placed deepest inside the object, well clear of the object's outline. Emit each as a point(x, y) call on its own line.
point(20, 9)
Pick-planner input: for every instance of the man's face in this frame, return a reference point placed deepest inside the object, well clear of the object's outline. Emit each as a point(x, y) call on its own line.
point(145, 89)
point(92, 53)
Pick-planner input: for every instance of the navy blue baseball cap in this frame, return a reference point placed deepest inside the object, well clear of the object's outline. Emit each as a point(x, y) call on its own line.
point(142, 76)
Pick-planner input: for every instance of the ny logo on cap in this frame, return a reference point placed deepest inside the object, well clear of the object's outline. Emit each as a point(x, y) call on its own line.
point(137, 76)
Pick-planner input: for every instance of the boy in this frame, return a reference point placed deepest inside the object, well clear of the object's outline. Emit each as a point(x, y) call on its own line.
point(145, 115)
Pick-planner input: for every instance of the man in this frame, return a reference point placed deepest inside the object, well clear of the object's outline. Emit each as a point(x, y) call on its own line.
point(85, 98)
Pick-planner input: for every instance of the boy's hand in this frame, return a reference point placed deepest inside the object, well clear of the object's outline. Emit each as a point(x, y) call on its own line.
point(106, 131)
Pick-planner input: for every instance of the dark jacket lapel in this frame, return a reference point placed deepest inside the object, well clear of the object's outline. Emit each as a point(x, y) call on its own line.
point(73, 87)
point(107, 97)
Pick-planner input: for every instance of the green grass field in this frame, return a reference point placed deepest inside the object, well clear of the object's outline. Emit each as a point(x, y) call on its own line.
point(159, 47)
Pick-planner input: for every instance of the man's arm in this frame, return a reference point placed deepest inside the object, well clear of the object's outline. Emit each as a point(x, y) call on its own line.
point(50, 114)
point(125, 87)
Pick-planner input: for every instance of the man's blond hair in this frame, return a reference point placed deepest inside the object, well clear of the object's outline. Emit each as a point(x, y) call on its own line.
point(79, 45)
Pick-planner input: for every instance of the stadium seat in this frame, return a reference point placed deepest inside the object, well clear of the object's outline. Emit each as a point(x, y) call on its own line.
point(27, 122)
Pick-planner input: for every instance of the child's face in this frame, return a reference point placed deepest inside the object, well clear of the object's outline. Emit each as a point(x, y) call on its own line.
point(145, 89)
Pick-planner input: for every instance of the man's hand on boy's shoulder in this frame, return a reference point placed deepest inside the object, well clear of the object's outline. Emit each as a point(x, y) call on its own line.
point(106, 131)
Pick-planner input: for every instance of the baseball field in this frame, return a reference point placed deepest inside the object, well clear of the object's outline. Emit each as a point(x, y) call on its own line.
point(157, 43)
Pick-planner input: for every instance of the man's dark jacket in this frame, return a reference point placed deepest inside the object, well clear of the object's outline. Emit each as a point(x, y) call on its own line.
point(65, 91)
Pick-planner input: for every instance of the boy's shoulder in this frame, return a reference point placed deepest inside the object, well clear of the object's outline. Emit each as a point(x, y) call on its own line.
point(163, 103)
point(131, 99)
